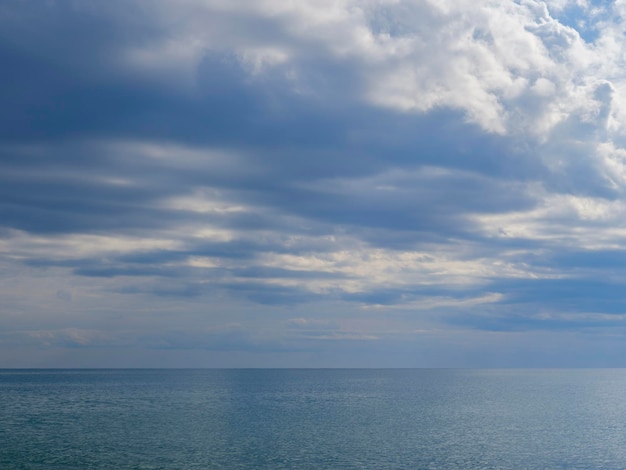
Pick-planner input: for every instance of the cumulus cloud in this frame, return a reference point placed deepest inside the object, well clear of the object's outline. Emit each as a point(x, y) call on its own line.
point(309, 171)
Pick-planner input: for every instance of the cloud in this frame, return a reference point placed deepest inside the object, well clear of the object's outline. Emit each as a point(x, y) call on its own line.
point(365, 168)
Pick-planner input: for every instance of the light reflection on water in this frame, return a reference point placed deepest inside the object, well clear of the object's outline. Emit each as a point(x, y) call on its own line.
point(305, 418)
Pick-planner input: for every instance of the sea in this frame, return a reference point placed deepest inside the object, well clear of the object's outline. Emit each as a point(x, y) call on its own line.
point(313, 419)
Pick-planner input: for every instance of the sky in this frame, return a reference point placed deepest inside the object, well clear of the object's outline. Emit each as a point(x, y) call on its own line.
point(313, 183)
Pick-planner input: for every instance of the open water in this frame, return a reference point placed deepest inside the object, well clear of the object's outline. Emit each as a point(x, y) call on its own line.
point(313, 419)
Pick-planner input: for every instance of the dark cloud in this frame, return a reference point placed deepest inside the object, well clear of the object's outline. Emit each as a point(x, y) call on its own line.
point(200, 155)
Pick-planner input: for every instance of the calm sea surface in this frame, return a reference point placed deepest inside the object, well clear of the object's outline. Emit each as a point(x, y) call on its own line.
point(309, 419)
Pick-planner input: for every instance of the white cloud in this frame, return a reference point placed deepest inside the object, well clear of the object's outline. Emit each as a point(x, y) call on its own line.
point(403, 232)
point(510, 67)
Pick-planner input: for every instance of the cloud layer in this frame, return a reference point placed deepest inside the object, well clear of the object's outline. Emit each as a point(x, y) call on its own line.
point(271, 183)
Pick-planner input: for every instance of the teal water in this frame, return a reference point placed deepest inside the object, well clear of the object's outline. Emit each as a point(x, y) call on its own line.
point(312, 419)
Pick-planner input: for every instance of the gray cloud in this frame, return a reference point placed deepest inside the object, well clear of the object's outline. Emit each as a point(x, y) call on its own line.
point(353, 168)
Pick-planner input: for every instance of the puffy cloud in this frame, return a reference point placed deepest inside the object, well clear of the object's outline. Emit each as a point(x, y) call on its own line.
point(194, 175)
